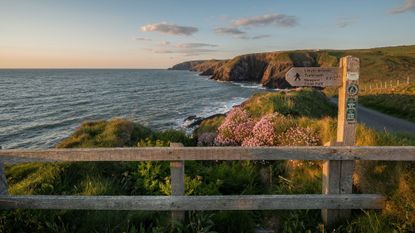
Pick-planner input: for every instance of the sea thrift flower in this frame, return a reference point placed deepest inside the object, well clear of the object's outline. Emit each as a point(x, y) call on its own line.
point(251, 142)
point(235, 128)
point(243, 130)
point(224, 141)
point(298, 136)
point(206, 139)
point(262, 133)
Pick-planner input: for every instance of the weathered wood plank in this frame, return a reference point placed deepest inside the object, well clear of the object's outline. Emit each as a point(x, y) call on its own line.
point(177, 183)
point(3, 180)
point(166, 203)
point(338, 175)
point(392, 153)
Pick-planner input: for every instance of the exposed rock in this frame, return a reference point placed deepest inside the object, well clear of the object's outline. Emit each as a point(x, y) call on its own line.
point(193, 120)
point(204, 67)
point(187, 65)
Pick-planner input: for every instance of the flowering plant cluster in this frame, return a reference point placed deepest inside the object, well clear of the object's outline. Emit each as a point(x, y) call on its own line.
point(262, 134)
point(235, 128)
point(239, 128)
point(299, 136)
point(206, 139)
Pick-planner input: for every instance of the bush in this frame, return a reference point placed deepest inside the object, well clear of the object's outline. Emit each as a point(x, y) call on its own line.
point(113, 133)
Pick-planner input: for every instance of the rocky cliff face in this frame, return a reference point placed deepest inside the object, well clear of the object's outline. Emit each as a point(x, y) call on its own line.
point(204, 67)
point(266, 68)
point(377, 64)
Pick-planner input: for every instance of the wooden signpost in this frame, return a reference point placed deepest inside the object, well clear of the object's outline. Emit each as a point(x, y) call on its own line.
point(313, 77)
point(337, 175)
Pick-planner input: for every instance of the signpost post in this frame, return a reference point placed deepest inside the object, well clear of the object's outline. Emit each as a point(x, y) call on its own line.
point(337, 175)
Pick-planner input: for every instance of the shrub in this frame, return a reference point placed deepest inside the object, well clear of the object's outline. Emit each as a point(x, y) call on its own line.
point(112, 133)
point(299, 136)
point(206, 139)
point(262, 133)
point(235, 128)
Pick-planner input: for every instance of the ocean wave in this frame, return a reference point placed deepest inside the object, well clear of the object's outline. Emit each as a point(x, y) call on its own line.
point(249, 85)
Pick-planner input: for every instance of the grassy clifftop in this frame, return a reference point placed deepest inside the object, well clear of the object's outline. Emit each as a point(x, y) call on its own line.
point(304, 116)
point(397, 101)
point(269, 68)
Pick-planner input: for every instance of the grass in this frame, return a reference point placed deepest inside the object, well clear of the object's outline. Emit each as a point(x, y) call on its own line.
point(383, 64)
point(308, 102)
point(395, 180)
point(399, 102)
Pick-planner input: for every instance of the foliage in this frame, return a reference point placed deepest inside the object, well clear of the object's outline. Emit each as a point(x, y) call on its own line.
point(113, 133)
point(209, 125)
point(206, 139)
point(267, 116)
point(239, 128)
point(304, 102)
point(398, 102)
point(235, 128)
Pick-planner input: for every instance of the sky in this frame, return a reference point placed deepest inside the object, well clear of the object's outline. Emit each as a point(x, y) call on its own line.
point(159, 34)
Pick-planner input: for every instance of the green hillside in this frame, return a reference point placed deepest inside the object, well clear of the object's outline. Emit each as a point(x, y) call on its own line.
point(269, 68)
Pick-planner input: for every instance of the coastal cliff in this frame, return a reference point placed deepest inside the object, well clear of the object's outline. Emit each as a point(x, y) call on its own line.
point(204, 67)
point(269, 68)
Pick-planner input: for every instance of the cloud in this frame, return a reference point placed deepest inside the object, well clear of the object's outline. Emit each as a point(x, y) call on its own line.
point(260, 37)
point(408, 5)
point(345, 22)
point(142, 39)
point(161, 50)
point(171, 29)
point(281, 20)
point(229, 31)
point(164, 43)
point(184, 51)
point(195, 45)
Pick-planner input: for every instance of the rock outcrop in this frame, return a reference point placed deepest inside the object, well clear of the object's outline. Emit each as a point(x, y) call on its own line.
point(204, 67)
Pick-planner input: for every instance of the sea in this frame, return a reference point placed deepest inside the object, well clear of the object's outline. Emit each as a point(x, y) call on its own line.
point(40, 107)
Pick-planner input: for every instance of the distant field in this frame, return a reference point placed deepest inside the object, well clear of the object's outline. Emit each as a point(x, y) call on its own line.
point(383, 64)
point(398, 101)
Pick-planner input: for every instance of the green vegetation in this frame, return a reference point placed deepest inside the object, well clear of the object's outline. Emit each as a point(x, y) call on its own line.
point(308, 102)
point(376, 64)
point(382, 64)
point(398, 101)
point(307, 108)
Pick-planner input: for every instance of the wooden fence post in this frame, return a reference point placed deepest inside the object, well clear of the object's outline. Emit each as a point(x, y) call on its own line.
point(3, 180)
point(397, 83)
point(338, 175)
point(177, 183)
point(407, 80)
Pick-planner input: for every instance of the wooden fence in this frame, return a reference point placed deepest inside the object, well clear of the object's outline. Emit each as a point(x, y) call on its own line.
point(376, 86)
point(178, 202)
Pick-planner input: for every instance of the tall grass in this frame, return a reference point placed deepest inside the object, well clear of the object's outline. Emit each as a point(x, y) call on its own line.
point(395, 180)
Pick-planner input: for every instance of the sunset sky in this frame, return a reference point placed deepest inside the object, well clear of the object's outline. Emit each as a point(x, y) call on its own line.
point(158, 34)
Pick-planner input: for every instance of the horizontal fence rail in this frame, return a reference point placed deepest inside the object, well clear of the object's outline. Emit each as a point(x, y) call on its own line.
point(328, 202)
point(393, 153)
point(164, 203)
